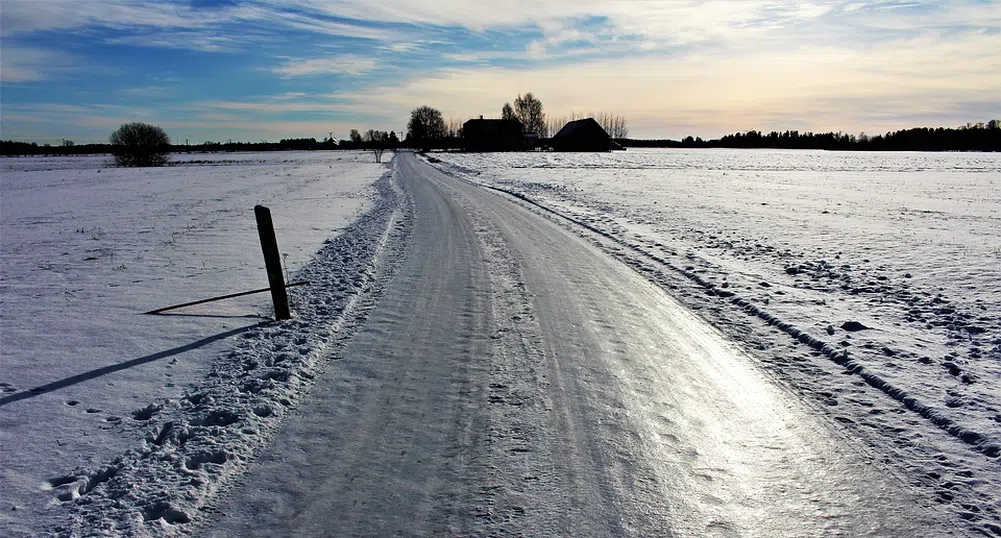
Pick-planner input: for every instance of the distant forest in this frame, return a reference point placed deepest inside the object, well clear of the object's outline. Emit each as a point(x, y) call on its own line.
point(969, 137)
point(9, 147)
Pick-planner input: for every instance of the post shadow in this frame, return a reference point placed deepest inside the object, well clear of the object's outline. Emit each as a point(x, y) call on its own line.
point(86, 376)
point(214, 316)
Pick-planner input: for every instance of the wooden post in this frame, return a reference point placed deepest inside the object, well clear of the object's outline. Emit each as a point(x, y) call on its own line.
point(266, 231)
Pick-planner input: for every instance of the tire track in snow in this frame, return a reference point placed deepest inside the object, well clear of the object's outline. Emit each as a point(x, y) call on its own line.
point(950, 476)
point(975, 440)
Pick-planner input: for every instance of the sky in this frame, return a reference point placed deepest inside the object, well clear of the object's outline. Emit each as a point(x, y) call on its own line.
point(208, 70)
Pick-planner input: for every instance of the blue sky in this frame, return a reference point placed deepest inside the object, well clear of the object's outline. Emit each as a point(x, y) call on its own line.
point(247, 70)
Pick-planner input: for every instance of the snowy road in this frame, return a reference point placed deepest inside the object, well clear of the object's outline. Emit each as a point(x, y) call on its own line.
point(515, 380)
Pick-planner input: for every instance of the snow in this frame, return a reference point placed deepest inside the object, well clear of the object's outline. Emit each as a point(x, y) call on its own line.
point(141, 421)
point(782, 250)
point(513, 380)
point(86, 249)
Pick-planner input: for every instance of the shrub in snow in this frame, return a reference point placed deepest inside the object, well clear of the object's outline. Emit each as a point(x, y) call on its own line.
point(140, 144)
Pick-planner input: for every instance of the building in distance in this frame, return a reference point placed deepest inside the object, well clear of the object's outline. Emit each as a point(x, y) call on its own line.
point(582, 135)
point(493, 135)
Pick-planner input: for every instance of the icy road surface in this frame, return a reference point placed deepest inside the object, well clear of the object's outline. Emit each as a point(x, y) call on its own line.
point(516, 380)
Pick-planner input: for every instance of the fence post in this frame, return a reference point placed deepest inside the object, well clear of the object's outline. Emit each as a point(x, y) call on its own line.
point(272, 262)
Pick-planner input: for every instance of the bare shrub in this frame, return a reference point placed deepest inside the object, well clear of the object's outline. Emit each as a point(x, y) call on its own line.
point(140, 144)
point(377, 141)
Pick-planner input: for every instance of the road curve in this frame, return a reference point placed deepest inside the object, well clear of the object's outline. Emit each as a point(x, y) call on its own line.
point(515, 380)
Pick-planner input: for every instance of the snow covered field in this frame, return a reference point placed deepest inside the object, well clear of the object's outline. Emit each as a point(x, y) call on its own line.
point(868, 282)
point(86, 249)
point(869, 285)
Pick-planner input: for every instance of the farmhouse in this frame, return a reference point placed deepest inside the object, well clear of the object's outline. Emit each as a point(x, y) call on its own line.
point(492, 135)
point(582, 135)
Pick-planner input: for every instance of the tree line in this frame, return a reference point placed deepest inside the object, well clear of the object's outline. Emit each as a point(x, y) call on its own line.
point(983, 136)
point(428, 128)
point(366, 141)
point(616, 126)
point(529, 111)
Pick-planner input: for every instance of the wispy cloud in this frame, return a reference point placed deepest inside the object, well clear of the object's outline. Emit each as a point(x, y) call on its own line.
point(145, 91)
point(57, 110)
point(269, 107)
point(314, 21)
point(197, 40)
point(180, 25)
point(50, 122)
point(290, 95)
point(29, 64)
point(344, 64)
point(26, 17)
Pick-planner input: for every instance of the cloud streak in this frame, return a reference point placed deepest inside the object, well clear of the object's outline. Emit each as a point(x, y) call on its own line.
point(344, 64)
point(29, 64)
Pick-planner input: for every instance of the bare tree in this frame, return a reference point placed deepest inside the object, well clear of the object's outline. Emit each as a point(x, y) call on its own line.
point(377, 143)
point(507, 113)
point(454, 128)
point(621, 127)
point(616, 126)
point(554, 124)
point(140, 144)
point(426, 126)
point(355, 136)
point(528, 110)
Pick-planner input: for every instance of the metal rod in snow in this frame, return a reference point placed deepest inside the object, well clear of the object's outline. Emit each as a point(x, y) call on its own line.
point(221, 297)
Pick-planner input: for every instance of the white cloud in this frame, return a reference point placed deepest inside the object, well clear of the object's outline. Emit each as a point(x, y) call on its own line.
point(270, 107)
point(27, 64)
point(176, 24)
point(643, 15)
point(23, 17)
point(145, 91)
point(279, 16)
point(344, 64)
point(59, 110)
point(640, 24)
point(679, 21)
point(289, 95)
point(668, 24)
point(203, 41)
